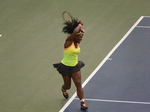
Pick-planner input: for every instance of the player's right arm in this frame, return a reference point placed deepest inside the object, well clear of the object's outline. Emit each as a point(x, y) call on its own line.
point(71, 37)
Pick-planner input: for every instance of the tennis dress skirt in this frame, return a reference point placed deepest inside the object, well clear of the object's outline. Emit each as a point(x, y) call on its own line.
point(68, 70)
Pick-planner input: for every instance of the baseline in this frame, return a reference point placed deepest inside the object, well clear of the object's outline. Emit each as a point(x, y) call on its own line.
point(116, 101)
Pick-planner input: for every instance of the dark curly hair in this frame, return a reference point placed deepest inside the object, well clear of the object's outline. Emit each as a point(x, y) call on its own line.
point(70, 26)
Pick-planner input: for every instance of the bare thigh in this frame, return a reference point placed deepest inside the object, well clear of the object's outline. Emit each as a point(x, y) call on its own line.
point(77, 79)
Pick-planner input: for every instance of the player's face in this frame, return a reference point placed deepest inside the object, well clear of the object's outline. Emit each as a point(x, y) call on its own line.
point(79, 37)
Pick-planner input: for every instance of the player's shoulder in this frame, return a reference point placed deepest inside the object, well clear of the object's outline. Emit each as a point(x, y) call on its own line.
point(67, 43)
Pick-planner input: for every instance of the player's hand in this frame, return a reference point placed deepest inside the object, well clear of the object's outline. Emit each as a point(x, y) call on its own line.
point(80, 22)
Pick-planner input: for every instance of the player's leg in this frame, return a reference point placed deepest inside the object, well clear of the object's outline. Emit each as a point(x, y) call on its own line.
point(77, 81)
point(66, 85)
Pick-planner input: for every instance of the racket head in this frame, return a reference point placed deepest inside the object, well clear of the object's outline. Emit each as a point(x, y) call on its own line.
point(67, 17)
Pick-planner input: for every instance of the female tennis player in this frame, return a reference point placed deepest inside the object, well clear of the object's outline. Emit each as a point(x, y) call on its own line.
point(70, 67)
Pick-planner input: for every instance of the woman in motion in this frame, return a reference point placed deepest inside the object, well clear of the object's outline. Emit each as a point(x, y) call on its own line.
point(70, 66)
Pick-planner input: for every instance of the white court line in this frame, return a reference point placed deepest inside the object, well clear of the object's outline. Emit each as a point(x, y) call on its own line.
point(116, 101)
point(100, 65)
point(146, 16)
point(143, 26)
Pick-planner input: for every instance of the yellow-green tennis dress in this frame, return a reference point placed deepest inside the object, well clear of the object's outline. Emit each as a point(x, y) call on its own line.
point(71, 55)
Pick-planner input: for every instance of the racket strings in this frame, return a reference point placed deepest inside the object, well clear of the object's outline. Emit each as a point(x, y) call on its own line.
point(68, 18)
point(70, 23)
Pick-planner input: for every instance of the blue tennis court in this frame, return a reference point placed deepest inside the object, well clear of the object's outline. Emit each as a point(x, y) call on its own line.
point(121, 81)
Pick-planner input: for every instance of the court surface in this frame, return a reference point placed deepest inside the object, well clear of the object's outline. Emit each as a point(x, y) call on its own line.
point(121, 81)
point(31, 40)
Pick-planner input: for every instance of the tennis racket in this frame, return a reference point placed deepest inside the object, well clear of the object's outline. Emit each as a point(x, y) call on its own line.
point(67, 17)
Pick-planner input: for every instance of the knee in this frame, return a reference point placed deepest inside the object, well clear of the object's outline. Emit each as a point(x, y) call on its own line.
point(78, 84)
